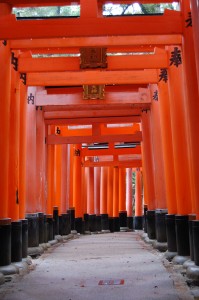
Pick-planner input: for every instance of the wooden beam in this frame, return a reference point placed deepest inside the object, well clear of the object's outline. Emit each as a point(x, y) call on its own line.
point(140, 97)
point(61, 64)
point(137, 163)
point(78, 121)
point(30, 3)
point(99, 129)
point(97, 41)
point(129, 88)
point(169, 23)
point(92, 77)
point(100, 152)
point(57, 140)
point(91, 120)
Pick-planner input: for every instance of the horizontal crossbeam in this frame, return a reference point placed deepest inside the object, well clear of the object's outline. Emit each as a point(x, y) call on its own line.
point(92, 77)
point(57, 140)
point(169, 23)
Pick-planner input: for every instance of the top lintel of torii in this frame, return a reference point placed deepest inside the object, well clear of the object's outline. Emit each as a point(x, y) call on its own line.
point(25, 3)
point(91, 23)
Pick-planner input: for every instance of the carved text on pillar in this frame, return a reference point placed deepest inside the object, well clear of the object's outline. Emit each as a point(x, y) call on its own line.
point(176, 58)
point(14, 61)
point(93, 58)
point(155, 95)
point(23, 78)
point(163, 75)
point(188, 21)
point(76, 152)
point(31, 99)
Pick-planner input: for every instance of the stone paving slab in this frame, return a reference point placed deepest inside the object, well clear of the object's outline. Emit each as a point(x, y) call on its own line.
point(74, 270)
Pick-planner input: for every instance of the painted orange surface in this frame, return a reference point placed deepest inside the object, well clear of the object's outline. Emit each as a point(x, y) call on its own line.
point(77, 178)
point(138, 194)
point(166, 133)
point(122, 189)
point(115, 192)
point(179, 138)
point(103, 190)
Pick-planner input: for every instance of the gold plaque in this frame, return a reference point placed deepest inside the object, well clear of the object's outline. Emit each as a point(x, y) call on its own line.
point(93, 91)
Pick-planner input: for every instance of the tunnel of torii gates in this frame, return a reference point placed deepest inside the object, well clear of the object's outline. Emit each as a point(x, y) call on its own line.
point(74, 128)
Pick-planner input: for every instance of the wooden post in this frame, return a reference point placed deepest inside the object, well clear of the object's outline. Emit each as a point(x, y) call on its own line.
point(110, 192)
point(191, 101)
point(40, 161)
point(149, 190)
point(77, 203)
point(122, 189)
point(156, 139)
point(64, 179)
point(5, 81)
point(50, 173)
point(103, 190)
point(14, 149)
point(57, 176)
point(138, 194)
point(22, 150)
point(97, 172)
point(194, 18)
point(116, 192)
point(90, 191)
point(31, 201)
point(129, 193)
point(179, 136)
point(165, 125)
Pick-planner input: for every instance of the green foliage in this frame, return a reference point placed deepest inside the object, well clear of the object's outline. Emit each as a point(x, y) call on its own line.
point(108, 10)
point(48, 11)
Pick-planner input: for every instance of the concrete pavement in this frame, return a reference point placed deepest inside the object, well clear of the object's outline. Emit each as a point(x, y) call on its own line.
point(74, 270)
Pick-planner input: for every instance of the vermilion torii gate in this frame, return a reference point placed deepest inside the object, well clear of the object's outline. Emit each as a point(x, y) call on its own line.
point(124, 96)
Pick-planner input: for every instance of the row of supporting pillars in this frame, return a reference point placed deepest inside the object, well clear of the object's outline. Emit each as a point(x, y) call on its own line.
point(170, 150)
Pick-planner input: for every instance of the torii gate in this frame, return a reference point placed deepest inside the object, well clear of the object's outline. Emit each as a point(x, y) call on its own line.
point(160, 109)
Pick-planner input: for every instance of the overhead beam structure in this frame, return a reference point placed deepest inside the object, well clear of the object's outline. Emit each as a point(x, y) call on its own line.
point(125, 62)
point(110, 98)
point(138, 41)
point(169, 23)
point(57, 140)
point(92, 77)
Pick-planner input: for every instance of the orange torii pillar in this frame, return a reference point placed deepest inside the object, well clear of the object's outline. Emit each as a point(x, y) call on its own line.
point(190, 64)
point(85, 191)
point(193, 20)
point(13, 205)
point(97, 173)
point(116, 220)
point(22, 167)
point(110, 197)
point(57, 187)
point(103, 199)
point(64, 218)
point(50, 185)
point(5, 81)
point(41, 172)
point(159, 175)
point(149, 190)
point(129, 198)
point(32, 203)
point(179, 138)
point(90, 199)
point(77, 185)
point(165, 125)
point(122, 199)
point(71, 209)
point(138, 218)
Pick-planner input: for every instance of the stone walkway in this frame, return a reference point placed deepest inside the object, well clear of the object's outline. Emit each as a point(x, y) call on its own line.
point(73, 271)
